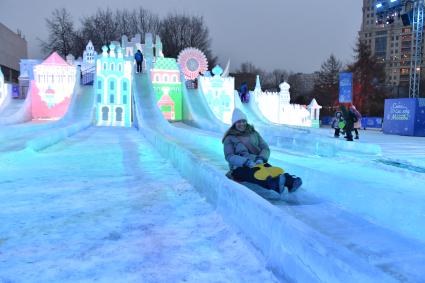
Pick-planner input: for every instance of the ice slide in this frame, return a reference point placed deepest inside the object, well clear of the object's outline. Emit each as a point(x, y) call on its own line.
point(16, 110)
point(38, 136)
point(6, 100)
point(312, 235)
point(196, 111)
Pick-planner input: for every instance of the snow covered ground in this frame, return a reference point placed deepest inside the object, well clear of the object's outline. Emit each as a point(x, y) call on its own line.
point(405, 149)
point(104, 206)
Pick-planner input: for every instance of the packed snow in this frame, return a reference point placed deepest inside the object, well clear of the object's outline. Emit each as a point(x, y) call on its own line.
point(104, 206)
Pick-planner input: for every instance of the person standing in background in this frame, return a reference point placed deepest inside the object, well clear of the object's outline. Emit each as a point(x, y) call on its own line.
point(139, 61)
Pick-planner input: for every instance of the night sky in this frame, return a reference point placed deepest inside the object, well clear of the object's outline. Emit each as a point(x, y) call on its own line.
point(289, 34)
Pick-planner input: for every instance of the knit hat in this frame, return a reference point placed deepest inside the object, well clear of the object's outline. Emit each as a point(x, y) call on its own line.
point(237, 115)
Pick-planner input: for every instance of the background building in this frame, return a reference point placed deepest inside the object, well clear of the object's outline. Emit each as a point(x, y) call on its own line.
point(390, 41)
point(13, 47)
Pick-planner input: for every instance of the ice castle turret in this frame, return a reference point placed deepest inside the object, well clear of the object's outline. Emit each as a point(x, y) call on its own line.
point(148, 50)
point(285, 96)
point(158, 47)
point(89, 55)
point(219, 93)
point(131, 47)
point(113, 87)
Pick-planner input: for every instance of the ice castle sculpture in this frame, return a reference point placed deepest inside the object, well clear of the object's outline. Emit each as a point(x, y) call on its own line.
point(113, 87)
point(88, 65)
point(276, 107)
point(219, 93)
point(314, 108)
point(52, 87)
point(130, 47)
point(89, 56)
point(166, 82)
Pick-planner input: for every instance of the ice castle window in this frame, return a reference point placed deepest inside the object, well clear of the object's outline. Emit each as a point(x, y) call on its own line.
point(105, 113)
point(111, 98)
point(118, 113)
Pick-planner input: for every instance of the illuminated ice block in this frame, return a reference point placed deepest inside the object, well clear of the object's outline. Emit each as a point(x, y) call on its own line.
point(88, 65)
point(113, 87)
point(219, 94)
point(158, 47)
point(130, 47)
point(52, 87)
point(89, 55)
point(166, 82)
point(193, 62)
point(314, 108)
point(276, 107)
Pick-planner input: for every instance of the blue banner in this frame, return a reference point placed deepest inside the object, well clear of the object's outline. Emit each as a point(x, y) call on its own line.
point(405, 116)
point(345, 87)
point(371, 122)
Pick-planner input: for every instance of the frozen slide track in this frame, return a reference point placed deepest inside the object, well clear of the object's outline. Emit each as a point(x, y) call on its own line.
point(294, 250)
point(16, 111)
point(196, 111)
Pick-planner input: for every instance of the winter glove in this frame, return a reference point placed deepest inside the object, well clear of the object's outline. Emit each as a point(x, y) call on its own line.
point(250, 163)
point(259, 161)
